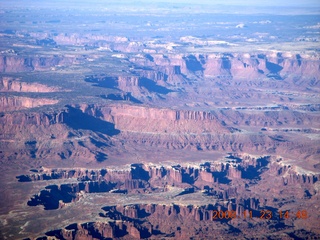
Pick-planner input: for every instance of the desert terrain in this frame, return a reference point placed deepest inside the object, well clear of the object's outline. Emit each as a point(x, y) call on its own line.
point(159, 121)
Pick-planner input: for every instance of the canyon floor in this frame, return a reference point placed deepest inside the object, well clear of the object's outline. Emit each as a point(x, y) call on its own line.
point(159, 121)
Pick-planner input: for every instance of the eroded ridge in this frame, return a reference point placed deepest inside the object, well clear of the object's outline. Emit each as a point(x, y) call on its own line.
point(235, 187)
point(159, 121)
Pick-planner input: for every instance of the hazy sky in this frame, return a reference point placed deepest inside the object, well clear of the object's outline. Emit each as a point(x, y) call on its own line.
point(247, 2)
point(315, 4)
point(211, 2)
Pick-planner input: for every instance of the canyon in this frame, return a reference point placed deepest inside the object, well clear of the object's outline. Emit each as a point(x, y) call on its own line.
point(155, 218)
point(112, 129)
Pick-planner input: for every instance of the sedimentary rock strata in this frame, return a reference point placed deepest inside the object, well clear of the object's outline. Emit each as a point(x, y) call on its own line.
point(156, 220)
point(158, 122)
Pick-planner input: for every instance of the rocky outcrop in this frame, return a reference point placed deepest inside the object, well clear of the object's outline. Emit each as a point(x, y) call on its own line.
point(202, 130)
point(49, 174)
point(157, 100)
point(101, 230)
point(140, 175)
point(121, 97)
point(295, 178)
point(227, 66)
point(292, 175)
point(234, 172)
point(20, 119)
point(193, 213)
point(168, 128)
point(218, 129)
point(8, 84)
point(54, 197)
point(12, 64)
point(231, 76)
point(143, 177)
point(17, 103)
point(231, 203)
point(161, 120)
point(146, 220)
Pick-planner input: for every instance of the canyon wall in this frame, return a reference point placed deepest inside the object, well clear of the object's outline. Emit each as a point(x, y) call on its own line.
point(165, 128)
point(17, 103)
point(228, 206)
point(244, 66)
point(9, 84)
point(16, 63)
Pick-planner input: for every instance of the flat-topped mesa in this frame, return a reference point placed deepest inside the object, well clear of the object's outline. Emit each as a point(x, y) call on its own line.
point(155, 120)
point(138, 221)
point(27, 64)
point(259, 65)
point(12, 103)
point(135, 211)
point(79, 174)
point(146, 120)
point(128, 83)
point(169, 128)
point(56, 196)
point(292, 175)
point(23, 119)
point(248, 66)
point(103, 230)
point(155, 75)
point(272, 65)
point(9, 84)
point(49, 174)
point(139, 174)
point(190, 212)
point(163, 74)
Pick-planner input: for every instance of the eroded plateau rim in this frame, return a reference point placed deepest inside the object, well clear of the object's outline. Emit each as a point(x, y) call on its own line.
point(206, 185)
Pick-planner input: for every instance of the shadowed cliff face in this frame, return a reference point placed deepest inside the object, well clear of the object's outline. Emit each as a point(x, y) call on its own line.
point(234, 66)
point(121, 97)
point(76, 119)
point(53, 197)
point(213, 178)
point(193, 64)
point(140, 122)
point(215, 130)
point(133, 230)
point(129, 84)
point(156, 220)
point(151, 86)
point(106, 82)
point(232, 75)
point(219, 105)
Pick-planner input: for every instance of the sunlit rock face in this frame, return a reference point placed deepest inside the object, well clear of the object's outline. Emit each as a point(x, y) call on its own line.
point(219, 204)
point(152, 121)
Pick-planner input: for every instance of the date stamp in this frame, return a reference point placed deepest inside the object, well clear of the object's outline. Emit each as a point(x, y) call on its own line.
point(262, 214)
